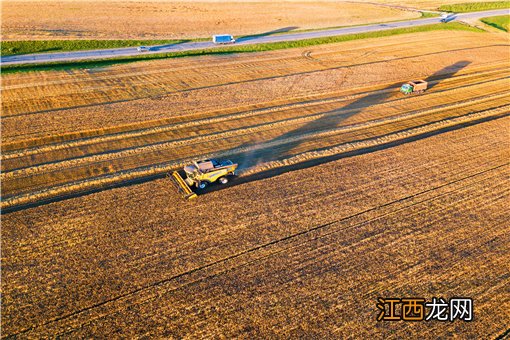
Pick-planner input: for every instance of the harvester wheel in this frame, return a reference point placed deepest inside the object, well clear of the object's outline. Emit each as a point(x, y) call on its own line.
point(202, 185)
point(223, 180)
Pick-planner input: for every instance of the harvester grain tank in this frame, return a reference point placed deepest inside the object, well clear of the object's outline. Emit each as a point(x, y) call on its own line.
point(415, 86)
point(202, 173)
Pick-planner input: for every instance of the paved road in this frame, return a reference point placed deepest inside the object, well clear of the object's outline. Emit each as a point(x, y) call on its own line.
point(130, 51)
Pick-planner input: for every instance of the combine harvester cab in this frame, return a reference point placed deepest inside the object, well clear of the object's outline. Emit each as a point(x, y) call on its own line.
point(416, 86)
point(202, 173)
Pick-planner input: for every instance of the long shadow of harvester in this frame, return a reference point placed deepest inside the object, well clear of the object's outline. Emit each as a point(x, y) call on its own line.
point(277, 148)
point(268, 152)
point(254, 36)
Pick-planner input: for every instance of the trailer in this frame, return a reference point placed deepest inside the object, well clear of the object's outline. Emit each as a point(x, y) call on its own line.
point(223, 39)
point(415, 86)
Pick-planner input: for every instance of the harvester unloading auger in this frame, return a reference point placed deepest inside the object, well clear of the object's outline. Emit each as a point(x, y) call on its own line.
point(202, 173)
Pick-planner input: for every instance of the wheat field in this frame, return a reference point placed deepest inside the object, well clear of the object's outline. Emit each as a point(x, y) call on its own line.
point(43, 20)
point(310, 258)
point(133, 122)
point(422, 4)
point(347, 191)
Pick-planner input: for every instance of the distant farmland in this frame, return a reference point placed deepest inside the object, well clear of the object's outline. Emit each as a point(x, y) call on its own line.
point(41, 20)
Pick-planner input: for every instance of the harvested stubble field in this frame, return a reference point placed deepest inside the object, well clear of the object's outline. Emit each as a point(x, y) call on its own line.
point(424, 219)
point(68, 132)
point(36, 20)
point(412, 202)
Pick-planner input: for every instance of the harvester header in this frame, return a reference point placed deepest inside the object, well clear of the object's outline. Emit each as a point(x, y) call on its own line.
point(181, 185)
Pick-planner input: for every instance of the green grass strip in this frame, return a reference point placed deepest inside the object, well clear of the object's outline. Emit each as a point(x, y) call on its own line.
point(429, 15)
point(40, 46)
point(235, 49)
point(43, 46)
point(501, 22)
point(475, 6)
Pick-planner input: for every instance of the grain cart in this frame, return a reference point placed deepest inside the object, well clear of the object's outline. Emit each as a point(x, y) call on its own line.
point(202, 173)
point(415, 86)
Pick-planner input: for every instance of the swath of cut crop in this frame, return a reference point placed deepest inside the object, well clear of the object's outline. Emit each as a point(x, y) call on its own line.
point(217, 118)
point(85, 185)
point(92, 166)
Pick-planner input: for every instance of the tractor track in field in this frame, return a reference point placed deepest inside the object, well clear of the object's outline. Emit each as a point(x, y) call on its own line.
point(502, 111)
point(7, 115)
point(175, 126)
point(8, 155)
point(138, 175)
point(81, 167)
point(241, 131)
point(303, 155)
point(95, 136)
point(90, 137)
point(117, 164)
point(77, 319)
point(108, 156)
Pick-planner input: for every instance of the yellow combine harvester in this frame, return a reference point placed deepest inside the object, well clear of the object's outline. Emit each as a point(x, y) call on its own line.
point(202, 173)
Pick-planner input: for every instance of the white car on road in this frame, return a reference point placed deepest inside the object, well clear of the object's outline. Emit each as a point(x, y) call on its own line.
point(445, 17)
point(143, 49)
point(223, 39)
